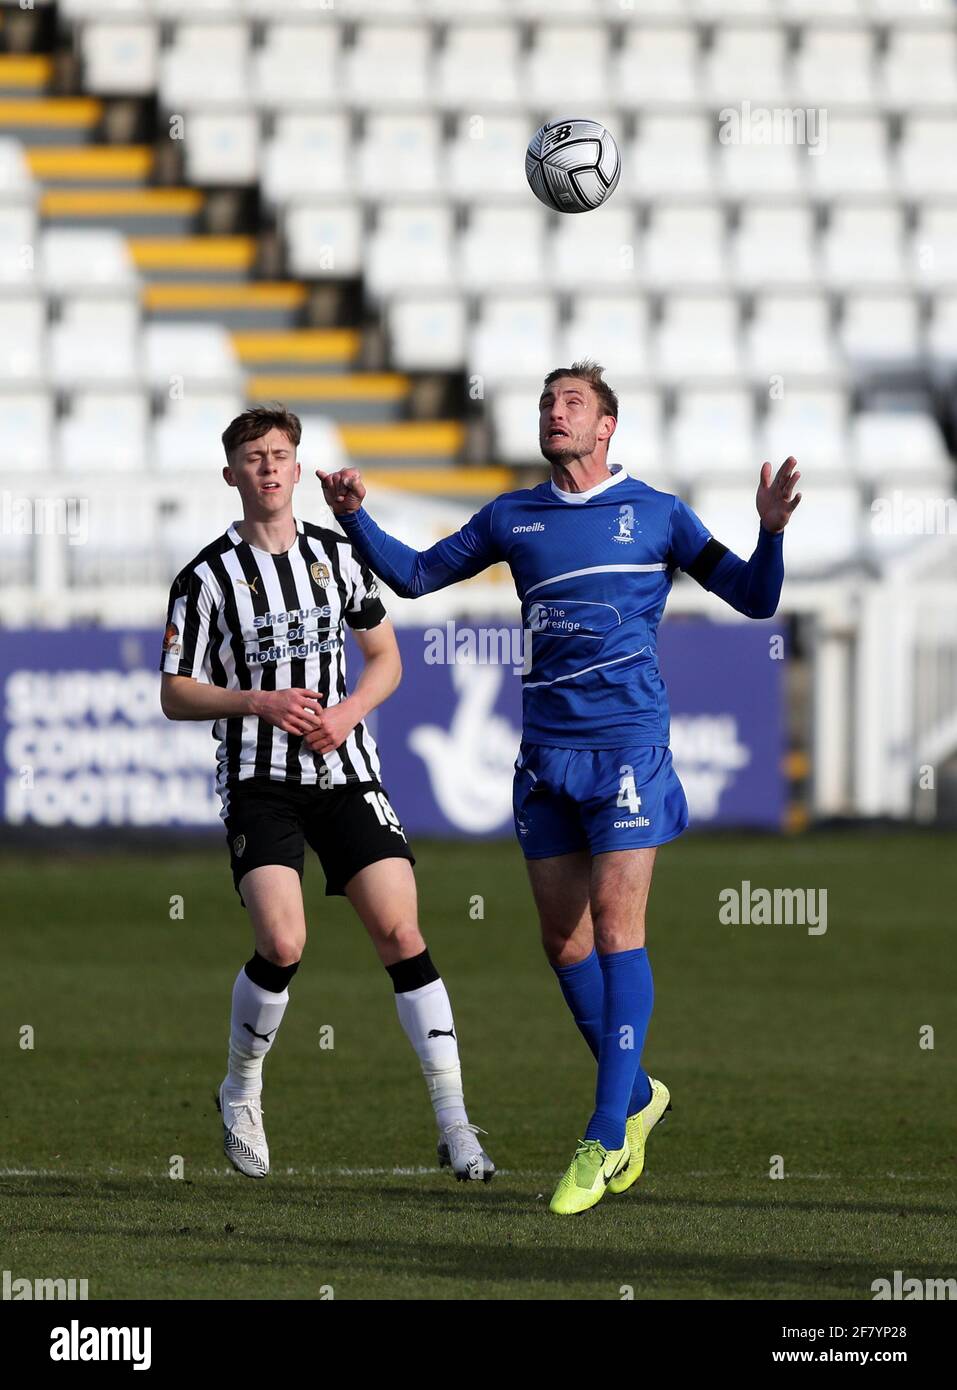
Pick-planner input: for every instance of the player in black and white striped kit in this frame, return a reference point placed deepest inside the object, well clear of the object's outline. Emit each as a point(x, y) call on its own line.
point(254, 642)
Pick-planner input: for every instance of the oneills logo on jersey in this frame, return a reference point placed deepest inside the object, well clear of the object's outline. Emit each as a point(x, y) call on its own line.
point(170, 644)
point(320, 573)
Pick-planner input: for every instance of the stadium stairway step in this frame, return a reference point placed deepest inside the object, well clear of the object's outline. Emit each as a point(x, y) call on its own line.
point(410, 442)
point(357, 397)
point(304, 350)
point(51, 120)
point(73, 166)
point(258, 304)
point(453, 481)
point(26, 74)
point(206, 259)
point(137, 211)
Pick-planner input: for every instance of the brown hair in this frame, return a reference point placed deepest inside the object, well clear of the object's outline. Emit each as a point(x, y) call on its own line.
point(587, 370)
point(259, 420)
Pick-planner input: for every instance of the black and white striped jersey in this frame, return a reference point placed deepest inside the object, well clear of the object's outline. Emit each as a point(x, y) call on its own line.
point(244, 619)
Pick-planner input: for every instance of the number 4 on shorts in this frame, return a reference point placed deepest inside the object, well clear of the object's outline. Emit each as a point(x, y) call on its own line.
point(628, 797)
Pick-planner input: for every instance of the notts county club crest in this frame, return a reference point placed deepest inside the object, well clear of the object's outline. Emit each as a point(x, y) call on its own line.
point(320, 573)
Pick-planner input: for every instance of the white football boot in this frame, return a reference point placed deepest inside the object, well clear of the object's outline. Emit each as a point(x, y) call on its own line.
point(461, 1150)
point(244, 1139)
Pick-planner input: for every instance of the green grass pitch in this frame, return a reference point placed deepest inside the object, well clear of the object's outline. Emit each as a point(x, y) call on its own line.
point(773, 1042)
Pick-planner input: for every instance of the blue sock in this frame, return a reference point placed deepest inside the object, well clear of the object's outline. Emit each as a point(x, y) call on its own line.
point(583, 988)
point(628, 1000)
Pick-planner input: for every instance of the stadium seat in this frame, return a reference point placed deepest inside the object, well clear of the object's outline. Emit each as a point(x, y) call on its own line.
point(656, 67)
point(222, 147)
point(671, 155)
point(399, 154)
point(934, 245)
point(897, 446)
point(757, 170)
point(835, 66)
point(324, 240)
point(412, 247)
point(712, 431)
point(925, 156)
point(853, 158)
point(612, 329)
point(297, 65)
point(515, 421)
point(177, 355)
point(942, 329)
point(307, 154)
point(828, 539)
point(95, 339)
point(503, 246)
point(811, 425)
point(27, 431)
point(594, 251)
point(488, 152)
point(880, 328)
point(746, 61)
point(863, 245)
point(697, 336)
point(427, 333)
point(684, 245)
point(774, 245)
point(392, 59)
point(638, 443)
point(22, 339)
point(478, 68)
point(104, 432)
point(578, 53)
point(920, 68)
point(186, 438)
point(85, 259)
point(515, 334)
point(187, 76)
point(790, 334)
point(120, 58)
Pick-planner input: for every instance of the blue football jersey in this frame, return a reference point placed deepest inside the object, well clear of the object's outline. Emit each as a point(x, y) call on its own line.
point(592, 571)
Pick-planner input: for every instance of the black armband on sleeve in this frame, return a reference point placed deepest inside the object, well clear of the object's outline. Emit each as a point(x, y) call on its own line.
point(706, 561)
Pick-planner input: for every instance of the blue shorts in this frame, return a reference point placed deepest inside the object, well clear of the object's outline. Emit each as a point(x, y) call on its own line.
point(567, 799)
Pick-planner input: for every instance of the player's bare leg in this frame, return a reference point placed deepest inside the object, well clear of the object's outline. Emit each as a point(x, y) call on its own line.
point(273, 898)
point(384, 897)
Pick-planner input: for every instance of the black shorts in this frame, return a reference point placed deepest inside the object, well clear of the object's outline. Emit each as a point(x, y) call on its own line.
point(349, 828)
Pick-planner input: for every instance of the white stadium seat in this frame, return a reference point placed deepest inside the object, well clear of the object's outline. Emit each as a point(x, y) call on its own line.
point(897, 446)
point(187, 436)
point(412, 247)
point(23, 331)
point(757, 169)
point(478, 68)
point(774, 245)
point(698, 336)
point(863, 245)
point(611, 329)
point(828, 539)
point(503, 246)
point(578, 53)
point(684, 245)
point(399, 154)
point(308, 154)
point(925, 156)
point(656, 66)
point(222, 147)
point(878, 328)
point(515, 336)
point(324, 239)
point(712, 431)
point(942, 330)
point(638, 443)
point(120, 58)
point(427, 333)
point(835, 66)
point(595, 250)
point(85, 259)
point(515, 421)
point(671, 155)
point(488, 152)
point(188, 75)
point(27, 431)
point(811, 425)
point(920, 68)
point(853, 159)
point(104, 432)
point(178, 355)
point(96, 339)
point(790, 334)
point(297, 65)
point(934, 245)
point(389, 61)
point(746, 62)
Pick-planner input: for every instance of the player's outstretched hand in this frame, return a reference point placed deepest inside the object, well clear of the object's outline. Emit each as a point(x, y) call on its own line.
point(343, 490)
point(294, 711)
point(774, 500)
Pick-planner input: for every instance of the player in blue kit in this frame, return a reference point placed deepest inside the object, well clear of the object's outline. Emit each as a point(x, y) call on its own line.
point(592, 552)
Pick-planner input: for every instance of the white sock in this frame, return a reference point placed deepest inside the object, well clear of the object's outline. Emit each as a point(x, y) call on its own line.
point(256, 1016)
point(427, 1010)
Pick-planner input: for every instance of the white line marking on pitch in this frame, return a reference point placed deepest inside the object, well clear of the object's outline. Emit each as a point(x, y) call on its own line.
point(422, 1171)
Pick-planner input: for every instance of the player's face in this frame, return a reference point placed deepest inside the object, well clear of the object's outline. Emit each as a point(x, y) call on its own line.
point(568, 420)
point(265, 472)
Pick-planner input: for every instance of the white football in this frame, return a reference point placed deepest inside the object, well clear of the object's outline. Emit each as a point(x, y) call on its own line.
point(572, 165)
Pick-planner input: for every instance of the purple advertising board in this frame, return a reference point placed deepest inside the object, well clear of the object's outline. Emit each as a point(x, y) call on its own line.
point(85, 743)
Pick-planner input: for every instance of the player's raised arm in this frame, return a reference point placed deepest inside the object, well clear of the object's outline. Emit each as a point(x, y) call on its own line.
point(409, 572)
point(752, 587)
